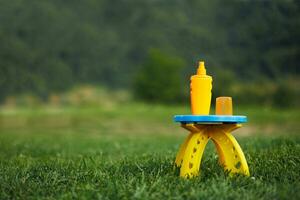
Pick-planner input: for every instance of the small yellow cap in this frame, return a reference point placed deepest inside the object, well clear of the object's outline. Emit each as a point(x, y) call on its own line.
point(224, 106)
point(201, 68)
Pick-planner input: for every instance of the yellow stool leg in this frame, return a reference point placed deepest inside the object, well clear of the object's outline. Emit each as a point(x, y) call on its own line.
point(230, 153)
point(193, 154)
point(180, 154)
point(231, 156)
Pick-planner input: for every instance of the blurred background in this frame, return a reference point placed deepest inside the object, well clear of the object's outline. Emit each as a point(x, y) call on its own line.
point(123, 66)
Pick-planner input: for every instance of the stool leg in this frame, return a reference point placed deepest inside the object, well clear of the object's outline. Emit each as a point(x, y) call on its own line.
point(193, 154)
point(180, 154)
point(230, 153)
point(220, 153)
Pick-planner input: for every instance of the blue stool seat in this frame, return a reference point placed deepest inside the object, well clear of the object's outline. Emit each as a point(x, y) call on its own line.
point(210, 119)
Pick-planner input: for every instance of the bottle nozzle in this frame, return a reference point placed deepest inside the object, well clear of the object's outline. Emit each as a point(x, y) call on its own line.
point(201, 68)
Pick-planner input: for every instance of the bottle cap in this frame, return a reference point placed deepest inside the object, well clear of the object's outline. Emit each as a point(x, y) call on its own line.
point(224, 106)
point(201, 68)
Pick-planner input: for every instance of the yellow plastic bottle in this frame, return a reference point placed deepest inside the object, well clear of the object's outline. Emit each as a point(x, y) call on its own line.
point(200, 90)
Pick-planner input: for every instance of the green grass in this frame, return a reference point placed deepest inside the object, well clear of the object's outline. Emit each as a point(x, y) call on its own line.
point(128, 152)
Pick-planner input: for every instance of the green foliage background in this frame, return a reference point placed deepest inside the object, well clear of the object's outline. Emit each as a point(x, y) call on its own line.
point(50, 46)
point(159, 79)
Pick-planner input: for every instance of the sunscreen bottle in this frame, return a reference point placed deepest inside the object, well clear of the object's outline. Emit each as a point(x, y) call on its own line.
point(200, 91)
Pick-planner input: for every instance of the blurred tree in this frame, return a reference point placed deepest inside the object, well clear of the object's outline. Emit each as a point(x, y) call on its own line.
point(284, 96)
point(223, 82)
point(160, 78)
point(52, 45)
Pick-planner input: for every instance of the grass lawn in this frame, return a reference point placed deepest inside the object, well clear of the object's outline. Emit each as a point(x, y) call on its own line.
point(128, 153)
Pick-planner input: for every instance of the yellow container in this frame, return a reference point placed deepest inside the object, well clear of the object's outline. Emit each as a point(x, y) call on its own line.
point(224, 106)
point(200, 90)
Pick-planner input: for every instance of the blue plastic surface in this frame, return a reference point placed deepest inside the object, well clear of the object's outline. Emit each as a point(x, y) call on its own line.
point(209, 119)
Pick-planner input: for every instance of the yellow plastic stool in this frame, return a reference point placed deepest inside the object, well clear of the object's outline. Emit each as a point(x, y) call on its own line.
point(231, 156)
point(203, 127)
